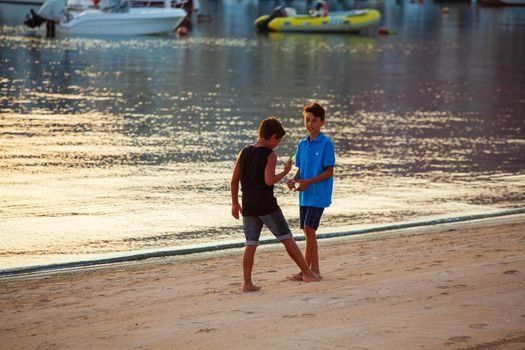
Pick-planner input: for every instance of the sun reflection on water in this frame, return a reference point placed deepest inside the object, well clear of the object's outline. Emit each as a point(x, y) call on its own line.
point(108, 146)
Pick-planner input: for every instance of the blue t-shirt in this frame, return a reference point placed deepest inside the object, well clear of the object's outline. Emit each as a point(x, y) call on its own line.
point(312, 158)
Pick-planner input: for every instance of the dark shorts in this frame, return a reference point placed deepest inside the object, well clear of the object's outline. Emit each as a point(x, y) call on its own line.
point(276, 223)
point(310, 216)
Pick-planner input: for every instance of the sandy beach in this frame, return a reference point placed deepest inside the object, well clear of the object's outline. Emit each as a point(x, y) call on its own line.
point(454, 286)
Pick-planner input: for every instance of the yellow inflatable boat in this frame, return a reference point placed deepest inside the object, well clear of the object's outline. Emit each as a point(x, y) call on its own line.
point(285, 20)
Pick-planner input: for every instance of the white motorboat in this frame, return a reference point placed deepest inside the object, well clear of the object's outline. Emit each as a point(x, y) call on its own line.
point(134, 3)
point(119, 19)
point(134, 21)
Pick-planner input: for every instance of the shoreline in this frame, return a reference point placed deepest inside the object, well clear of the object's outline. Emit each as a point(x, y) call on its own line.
point(453, 286)
point(210, 248)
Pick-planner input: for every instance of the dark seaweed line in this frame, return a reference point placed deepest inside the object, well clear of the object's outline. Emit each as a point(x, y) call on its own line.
point(224, 246)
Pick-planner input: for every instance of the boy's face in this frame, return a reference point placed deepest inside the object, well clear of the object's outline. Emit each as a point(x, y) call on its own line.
point(274, 141)
point(313, 124)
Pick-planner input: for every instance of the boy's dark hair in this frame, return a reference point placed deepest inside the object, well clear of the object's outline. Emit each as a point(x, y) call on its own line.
point(314, 108)
point(269, 127)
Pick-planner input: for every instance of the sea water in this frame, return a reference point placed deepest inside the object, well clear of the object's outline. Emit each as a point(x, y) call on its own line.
point(111, 145)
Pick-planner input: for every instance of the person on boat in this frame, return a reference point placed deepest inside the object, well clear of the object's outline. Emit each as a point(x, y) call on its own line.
point(320, 9)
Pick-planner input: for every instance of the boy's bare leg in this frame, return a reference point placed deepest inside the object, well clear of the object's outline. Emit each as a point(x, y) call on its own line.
point(247, 266)
point(295, 253)
point(311, 254)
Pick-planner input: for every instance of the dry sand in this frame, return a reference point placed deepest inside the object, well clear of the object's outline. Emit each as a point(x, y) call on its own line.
point(456, 286)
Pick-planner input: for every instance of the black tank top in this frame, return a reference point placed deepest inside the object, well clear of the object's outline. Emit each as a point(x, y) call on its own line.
point(257, 196)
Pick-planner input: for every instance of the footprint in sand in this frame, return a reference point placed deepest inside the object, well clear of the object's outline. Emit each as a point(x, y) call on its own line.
point(206, 330)
point(478, 325)
point(212, 291)
point(46, 345)
point(459, 339)
point(510, 272)
point(413, 269)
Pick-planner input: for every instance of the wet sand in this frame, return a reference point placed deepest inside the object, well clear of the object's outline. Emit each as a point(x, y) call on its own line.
point(455, 286)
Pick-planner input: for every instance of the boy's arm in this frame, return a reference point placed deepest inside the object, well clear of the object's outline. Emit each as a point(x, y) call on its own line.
point(303, 184)
point(291, 183)
point(270, 177)
point(236, 176)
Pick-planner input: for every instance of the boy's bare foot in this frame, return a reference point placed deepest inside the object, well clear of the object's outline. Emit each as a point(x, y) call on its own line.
point(300, 278)
point(311, 277)
point(297, 277)
point(250, 288)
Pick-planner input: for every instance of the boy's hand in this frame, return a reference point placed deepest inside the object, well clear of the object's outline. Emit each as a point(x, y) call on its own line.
point(301, 185)
point(287, 166)
point(291, 184)
point(236, 209)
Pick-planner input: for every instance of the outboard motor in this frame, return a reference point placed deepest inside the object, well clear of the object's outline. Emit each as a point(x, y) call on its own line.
point(33, 20)
point(51, 12)
point(262, 25)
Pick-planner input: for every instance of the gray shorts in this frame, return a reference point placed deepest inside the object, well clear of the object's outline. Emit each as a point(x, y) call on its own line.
point(276, 223)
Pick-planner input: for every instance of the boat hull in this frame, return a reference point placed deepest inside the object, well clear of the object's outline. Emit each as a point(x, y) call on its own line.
point(350, 21)
point(135, 22)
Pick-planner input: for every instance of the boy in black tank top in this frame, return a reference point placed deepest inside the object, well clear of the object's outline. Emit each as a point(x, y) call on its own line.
point(255, 170)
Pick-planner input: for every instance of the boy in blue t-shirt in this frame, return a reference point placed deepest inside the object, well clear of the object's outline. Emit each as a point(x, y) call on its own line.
point(315, 160)
point(255, 170)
